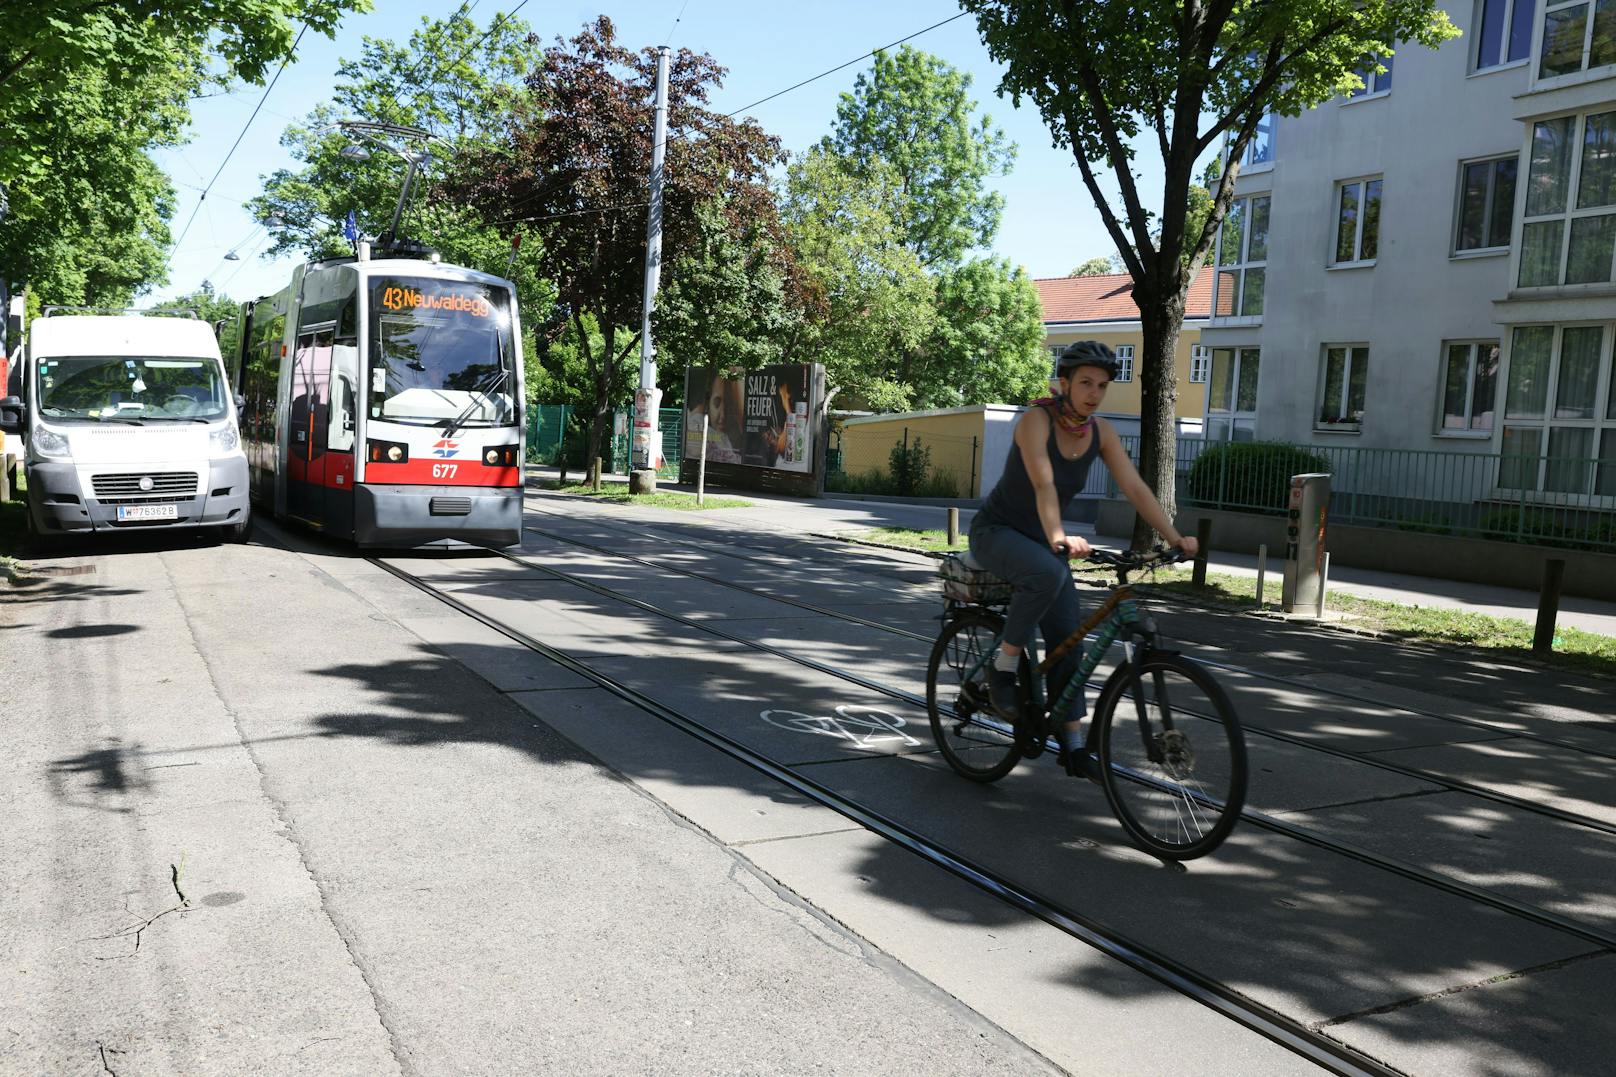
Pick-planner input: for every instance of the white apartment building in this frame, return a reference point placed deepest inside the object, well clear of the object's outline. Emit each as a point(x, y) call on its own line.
point(1430, 264)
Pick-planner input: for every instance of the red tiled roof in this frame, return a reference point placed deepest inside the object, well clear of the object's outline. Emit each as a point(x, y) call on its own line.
point(1109, 298)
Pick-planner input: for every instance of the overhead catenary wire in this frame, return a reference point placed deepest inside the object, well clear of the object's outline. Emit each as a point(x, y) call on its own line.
point(244, 128)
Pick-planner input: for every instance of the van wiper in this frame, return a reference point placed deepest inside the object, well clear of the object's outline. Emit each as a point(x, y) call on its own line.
point(131, 422)
point(484, 390)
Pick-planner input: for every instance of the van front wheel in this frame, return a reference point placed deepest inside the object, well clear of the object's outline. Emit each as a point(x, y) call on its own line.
point(241, 532)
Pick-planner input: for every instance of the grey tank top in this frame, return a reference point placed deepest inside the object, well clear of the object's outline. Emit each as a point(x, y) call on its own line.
point(1013, 503)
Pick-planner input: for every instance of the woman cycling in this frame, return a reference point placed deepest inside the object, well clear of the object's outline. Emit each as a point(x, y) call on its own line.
point(1018, 533)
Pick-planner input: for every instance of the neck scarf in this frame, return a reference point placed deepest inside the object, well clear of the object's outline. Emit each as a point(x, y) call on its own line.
point(1065, 417)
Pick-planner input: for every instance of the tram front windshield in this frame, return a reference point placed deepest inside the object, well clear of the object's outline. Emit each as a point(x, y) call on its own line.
point(131, 388)
point(441, 352)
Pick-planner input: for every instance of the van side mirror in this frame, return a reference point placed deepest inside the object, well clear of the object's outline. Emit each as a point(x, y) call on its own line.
point(11, 415)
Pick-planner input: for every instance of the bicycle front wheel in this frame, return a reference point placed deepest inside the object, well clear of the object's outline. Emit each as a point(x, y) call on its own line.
point(975, 740)
point(1172, 756)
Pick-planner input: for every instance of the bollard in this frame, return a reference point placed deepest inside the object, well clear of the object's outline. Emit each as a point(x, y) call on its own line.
point(561, 480)
point(1262, 571)
point(594, 479)
point(701, 468)
point(953, 527)
point(1324, 578)
point(1548, 607)
point(1203, 536)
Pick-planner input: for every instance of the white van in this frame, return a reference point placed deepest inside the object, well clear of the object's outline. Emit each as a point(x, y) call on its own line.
point(129, 423)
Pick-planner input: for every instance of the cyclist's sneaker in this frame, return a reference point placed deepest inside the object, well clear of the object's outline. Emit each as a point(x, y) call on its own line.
point(1081, 764)
point(1002, 693)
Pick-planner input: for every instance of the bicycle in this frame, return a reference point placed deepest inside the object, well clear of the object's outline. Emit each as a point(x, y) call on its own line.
point(1176, 787)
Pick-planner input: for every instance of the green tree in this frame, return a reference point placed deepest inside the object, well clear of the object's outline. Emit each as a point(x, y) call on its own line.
point(1177, 78)
point(871, 302)
point(732, 300)
point(577, 165)
point(988, 343)
point(1097, 267)
point(913, 113)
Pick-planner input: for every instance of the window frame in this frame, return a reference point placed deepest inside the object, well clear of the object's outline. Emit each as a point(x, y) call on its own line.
point(1469, 432)
point(1539, 32)
point(1507, 22)
point(1369, 93)
point(1200, 359)
point(1358, 262)
point(1236, 417)
point(1247, 165)
point(1456, 251)
point(1566, 216)
point(1124, 354)
point(1242, 264)
point(1344, 427)
point(1601, 422)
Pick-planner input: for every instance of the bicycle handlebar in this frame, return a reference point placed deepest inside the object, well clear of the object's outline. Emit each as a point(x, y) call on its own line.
point(1132, 562)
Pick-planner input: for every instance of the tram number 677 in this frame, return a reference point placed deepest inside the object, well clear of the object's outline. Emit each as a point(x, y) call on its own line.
point(444, 471)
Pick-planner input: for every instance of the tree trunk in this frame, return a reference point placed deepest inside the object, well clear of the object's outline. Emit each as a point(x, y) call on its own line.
point(1158, 421)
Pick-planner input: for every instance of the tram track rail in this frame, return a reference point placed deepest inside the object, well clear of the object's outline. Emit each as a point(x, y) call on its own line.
point(1324, 1050)
point(1272, 678)
point(1448, 782)
point(1262, 820)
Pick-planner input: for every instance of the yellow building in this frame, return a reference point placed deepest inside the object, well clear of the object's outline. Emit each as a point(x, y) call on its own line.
point(1102, 308)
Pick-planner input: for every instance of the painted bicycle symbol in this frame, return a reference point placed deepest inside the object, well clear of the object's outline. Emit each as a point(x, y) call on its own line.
point(865, 727)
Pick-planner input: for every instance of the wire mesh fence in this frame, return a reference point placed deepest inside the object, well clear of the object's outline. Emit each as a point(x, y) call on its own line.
point(1518, 497)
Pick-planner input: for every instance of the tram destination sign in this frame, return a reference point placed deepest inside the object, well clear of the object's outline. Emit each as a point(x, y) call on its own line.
point(434, 297)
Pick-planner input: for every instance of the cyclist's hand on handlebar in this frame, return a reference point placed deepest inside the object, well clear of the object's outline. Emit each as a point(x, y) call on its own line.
point(1189, 545)
point(1071, 546)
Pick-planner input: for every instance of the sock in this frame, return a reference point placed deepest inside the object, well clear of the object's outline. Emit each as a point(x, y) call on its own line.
point(1006, 662)
point(1071, 740)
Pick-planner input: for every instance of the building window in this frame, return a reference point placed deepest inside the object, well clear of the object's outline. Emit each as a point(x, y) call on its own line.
point(1577, 35)
point(1341, 387)
point(1357, 221)
point(1242, 259)
point(1486, 204)
point(1469, 386)
point(1560, 411)
point(1231, 394)
point(1124, 362)
point(1506, 32)
point(1568, 232)
point(1055, 351)
point(1260, 150)
point(1376, 73)
point(1200, 363)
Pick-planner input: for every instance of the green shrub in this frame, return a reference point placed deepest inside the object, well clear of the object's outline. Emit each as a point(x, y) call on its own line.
point(1249, 474)
point(909, 464)
point(1546, 527)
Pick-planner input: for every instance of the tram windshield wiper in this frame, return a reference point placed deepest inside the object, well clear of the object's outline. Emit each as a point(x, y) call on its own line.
point(484, 392)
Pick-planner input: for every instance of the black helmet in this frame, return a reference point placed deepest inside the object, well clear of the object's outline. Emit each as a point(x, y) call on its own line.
point(1087, 353)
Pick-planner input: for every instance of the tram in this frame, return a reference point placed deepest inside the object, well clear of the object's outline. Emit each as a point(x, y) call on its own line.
point(382, 403)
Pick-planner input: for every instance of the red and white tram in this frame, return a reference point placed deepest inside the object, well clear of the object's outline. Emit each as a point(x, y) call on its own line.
point(383, 403)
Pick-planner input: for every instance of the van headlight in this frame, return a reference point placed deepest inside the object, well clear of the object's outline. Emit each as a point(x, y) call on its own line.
point(48, 443)
point(223, 439)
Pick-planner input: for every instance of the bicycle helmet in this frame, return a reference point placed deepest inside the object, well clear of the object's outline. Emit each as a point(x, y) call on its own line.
point(1087, 353)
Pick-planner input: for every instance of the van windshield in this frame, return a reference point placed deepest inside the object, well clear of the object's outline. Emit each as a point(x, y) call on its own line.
point(147, 388)
point(441, 351)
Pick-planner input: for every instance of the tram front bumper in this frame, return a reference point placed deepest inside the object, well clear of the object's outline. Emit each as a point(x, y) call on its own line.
point(405, 517)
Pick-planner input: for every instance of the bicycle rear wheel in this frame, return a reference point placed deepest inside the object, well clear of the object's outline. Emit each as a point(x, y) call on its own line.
point(974, 739)
point(1174, 769)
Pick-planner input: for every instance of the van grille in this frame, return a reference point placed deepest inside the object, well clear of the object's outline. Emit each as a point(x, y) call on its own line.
point(167, 483)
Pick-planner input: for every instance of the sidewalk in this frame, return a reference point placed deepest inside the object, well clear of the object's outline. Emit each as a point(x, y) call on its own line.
point(833, 514)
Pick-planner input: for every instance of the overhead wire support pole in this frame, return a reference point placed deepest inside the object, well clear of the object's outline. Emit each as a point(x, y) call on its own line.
point(648, 400)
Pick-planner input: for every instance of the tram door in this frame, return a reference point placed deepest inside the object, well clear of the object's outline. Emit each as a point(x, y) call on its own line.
point(309, 420)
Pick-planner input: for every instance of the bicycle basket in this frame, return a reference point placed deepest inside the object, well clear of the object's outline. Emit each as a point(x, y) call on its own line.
point(964, 582)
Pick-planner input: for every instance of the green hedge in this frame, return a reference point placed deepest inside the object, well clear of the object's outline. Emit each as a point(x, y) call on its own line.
point(1249, 474)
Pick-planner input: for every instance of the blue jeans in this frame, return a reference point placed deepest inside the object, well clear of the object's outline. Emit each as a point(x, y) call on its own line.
point(1045, 596)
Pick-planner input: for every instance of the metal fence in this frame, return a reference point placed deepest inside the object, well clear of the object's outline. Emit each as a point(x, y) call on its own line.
point(1557, 501)
point(913, 463)
point(554, 428)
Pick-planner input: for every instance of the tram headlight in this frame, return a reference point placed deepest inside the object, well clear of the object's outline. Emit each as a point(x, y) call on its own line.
point(501, 455)
point(387, 452)
point(491, 457)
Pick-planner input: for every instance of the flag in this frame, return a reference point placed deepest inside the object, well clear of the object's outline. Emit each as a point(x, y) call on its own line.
point(350, 228)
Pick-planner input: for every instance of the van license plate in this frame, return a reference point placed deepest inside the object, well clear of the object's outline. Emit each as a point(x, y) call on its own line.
point(148, 512)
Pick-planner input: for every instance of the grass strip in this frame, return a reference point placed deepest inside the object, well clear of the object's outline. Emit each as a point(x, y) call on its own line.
point(1510, 637)
point(617, 494)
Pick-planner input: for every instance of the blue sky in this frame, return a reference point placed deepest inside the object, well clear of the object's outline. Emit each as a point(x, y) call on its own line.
point(1049, 224)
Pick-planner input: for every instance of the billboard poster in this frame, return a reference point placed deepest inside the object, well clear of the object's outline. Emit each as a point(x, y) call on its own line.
point(760, 418)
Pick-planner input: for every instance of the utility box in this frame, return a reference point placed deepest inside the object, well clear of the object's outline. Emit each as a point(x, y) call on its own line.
point(1306, 513)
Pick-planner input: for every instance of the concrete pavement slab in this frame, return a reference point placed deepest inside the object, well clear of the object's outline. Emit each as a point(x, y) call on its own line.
point(1559, 866)
point(1542, 773)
